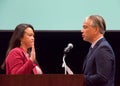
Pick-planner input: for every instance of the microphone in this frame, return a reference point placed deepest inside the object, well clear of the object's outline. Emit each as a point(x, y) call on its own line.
point(68, 48)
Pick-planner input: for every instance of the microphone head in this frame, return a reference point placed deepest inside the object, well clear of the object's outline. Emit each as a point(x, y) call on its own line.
point(68, 48)
point(70, 45)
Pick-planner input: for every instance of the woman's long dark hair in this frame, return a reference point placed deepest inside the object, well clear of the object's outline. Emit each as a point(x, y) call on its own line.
point(15, 39)
point(17, 35)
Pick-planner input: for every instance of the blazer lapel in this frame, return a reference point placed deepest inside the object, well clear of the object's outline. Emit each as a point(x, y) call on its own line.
point(91, 50)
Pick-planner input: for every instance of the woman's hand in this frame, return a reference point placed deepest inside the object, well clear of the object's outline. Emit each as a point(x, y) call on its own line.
point(33, 53)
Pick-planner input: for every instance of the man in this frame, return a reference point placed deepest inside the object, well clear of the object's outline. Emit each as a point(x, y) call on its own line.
point(99, 65)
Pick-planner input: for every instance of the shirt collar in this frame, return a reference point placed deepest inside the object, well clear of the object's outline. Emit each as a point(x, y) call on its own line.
point(93, 44)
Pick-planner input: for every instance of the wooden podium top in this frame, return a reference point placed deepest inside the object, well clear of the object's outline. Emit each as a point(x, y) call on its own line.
point(42, 80)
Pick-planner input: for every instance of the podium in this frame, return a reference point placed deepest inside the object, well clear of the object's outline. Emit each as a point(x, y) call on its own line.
point(42, 80)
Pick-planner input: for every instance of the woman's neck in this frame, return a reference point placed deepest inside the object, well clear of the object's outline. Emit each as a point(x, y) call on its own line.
point(24, 49)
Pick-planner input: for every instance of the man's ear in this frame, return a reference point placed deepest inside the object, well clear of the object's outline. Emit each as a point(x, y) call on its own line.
point(96, 29)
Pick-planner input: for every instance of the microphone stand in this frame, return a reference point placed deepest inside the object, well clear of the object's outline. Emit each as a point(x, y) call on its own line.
point(64, 64)
point(66, 68)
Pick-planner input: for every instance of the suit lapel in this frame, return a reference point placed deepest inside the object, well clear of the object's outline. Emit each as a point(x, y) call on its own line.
point(91, 50)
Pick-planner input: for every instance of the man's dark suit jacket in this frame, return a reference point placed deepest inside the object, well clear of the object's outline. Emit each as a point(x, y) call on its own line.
point(99, 66)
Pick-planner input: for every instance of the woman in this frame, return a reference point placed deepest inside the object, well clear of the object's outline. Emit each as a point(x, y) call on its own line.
point(21, 55)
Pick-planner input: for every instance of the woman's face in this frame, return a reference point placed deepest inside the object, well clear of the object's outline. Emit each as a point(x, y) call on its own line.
point(28, 38)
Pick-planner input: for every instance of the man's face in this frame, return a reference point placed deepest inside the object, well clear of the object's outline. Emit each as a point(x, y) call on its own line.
point(88, 32)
